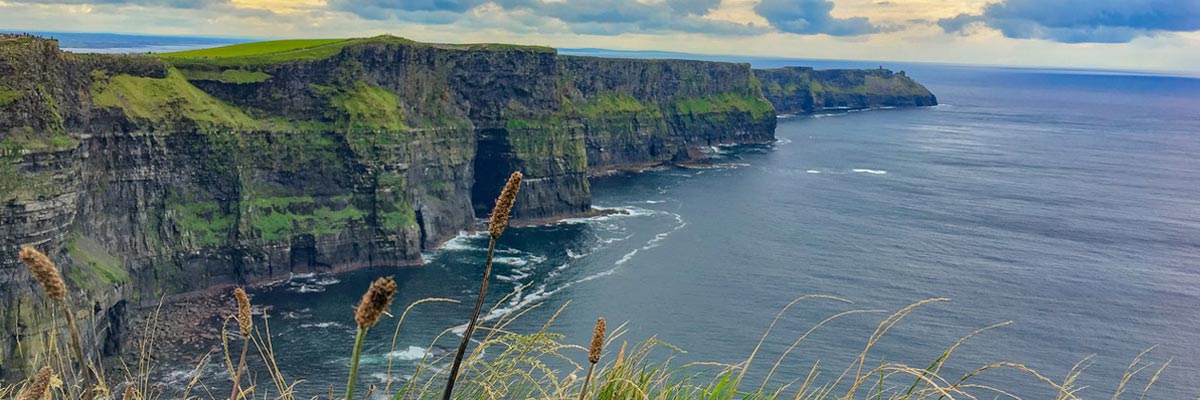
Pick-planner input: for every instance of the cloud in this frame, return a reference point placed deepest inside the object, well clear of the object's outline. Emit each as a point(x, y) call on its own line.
point(810, 17)
point(611, 17)
point(149, 3)
point(1081, 21)
point(424, 11)
point(697, 7)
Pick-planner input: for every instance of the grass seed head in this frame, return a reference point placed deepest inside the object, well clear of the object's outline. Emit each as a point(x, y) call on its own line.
point(375, 302)
point(244, 320)
point(597, 342)
point(504, 205)
point(45, 272)
point(41, 384)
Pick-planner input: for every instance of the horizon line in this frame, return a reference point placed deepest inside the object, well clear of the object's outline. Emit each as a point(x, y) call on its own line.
point(1069, 69)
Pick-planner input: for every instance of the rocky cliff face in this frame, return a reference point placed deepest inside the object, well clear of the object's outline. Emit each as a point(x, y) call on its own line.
point(803, 90)
point(146, 176)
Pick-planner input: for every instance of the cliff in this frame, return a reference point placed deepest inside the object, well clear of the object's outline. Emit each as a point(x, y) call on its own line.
point(803, 90)
point(151, 175)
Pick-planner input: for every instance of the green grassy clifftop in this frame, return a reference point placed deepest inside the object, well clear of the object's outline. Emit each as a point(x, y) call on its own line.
point(801, 90)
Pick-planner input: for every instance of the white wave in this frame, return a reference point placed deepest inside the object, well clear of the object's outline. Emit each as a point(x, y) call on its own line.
point(782, 141)
point(652, 201)
point(519, 261)
point(294, 315)
point(513, 261)
point(615, 239)
point(308, 275)
point(522, 298)
point(595, 276)
point(462, 242)
point(625, 213)
point(380, 376)
point(658, 238)
point(409, 354)
point(513, 278)
point(323, 325)
point(518, 302)
point(870, 171)
point(714, 166)
point(628, 256)
point(306, 288)
point(326, 281)
point(813, 171)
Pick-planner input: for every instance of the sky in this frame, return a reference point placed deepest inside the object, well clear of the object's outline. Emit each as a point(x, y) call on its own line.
point(1120, 34)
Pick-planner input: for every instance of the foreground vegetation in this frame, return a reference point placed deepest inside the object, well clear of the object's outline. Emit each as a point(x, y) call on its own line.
point(534, 365)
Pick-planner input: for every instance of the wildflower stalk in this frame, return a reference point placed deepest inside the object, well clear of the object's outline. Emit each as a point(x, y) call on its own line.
point(358, 344)
point(372, 307)
point(496, 225)
point(245, 327)
point(593, 354)
point(46, 274)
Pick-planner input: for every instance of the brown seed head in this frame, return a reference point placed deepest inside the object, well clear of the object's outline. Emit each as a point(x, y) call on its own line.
point(504, 205)
point(46, 274)
point(41, 384)
point(375, 302)
point(244, 320)
point(597, 342)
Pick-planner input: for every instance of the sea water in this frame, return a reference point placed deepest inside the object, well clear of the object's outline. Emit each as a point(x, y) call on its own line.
point(1066, 202)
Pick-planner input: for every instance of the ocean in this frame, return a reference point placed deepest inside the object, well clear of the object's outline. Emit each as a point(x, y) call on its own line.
point(1064, 201)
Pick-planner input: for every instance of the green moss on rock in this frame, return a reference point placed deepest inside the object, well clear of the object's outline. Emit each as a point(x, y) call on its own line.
point(94, 262)
point(393, 208)
point(368, 107)
point(279, 218)
point(233, 75)
point(7, 95)
point(203, 223)
point(168, 101)
point(725, 103)
point(616, 103)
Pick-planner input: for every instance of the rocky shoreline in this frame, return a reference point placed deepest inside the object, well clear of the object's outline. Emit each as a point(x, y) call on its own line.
point(187, 326)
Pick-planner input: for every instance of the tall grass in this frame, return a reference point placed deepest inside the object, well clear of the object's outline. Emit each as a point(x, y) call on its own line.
point(541, 364)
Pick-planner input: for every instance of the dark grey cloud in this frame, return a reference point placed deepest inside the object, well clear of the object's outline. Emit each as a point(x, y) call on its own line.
point(810, 17)
point(1082, 21)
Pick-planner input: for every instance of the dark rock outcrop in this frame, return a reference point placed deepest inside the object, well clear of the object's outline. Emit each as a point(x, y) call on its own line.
point(146, 176)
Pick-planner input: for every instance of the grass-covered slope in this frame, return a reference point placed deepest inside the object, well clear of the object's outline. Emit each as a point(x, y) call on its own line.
point(297, 48)
point(277, 51)
point(166, 101)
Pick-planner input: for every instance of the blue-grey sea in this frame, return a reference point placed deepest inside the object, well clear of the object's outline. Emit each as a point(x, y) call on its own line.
point(1064, 201)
